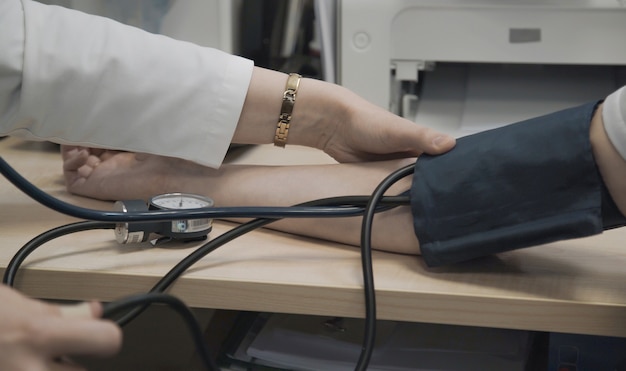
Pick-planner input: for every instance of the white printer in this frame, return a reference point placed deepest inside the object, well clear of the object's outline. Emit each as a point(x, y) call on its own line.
point(467, 65)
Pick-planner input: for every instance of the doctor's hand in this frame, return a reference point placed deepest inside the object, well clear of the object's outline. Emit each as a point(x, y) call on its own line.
point(363, 131)
point(38, 336)
point(333, 119)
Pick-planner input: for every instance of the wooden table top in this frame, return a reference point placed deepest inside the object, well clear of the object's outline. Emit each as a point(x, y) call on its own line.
point(576, 286)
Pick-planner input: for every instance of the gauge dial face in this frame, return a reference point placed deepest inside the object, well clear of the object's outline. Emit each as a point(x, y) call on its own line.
point(181, 201)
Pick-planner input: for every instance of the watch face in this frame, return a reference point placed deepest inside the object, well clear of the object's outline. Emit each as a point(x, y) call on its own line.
point(181, 201)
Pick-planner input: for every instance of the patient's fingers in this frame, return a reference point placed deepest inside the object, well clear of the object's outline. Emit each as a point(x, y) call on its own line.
point(74, 158)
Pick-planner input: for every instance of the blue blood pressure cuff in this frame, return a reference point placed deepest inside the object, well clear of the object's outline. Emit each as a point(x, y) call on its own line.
point(521, 185)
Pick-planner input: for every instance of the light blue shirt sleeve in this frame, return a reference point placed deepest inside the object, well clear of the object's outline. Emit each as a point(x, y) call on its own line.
point(74, 78)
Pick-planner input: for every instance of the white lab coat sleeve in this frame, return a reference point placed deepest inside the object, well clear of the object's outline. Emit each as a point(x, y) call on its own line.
point(91, 81)
point(614, 118)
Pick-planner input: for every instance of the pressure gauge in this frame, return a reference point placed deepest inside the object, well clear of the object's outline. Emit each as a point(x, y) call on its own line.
point(177, 201)
point(178, 229)
point(183, 228)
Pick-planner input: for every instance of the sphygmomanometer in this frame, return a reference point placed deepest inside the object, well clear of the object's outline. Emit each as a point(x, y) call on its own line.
point(181, 229)
point(521, 185)
point(189, 217)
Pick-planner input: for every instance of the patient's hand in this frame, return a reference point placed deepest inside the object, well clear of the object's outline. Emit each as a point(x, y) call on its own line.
point(115, 175)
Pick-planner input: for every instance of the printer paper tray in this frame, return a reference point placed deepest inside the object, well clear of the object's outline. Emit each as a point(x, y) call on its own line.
point(461, 99)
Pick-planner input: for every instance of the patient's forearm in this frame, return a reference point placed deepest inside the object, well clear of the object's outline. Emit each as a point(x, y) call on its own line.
point(241, 185)
point(112, 175)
